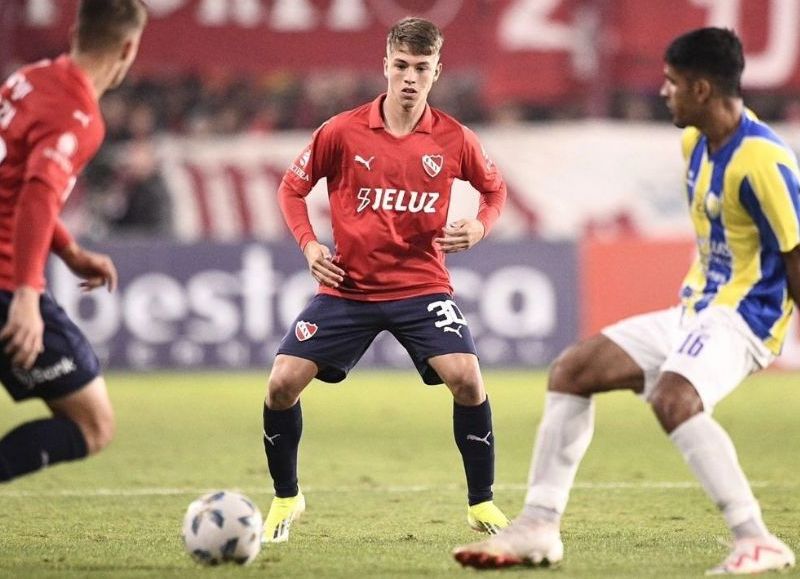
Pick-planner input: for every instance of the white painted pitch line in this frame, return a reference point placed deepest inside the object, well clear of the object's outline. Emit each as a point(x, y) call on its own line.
point(391, 489)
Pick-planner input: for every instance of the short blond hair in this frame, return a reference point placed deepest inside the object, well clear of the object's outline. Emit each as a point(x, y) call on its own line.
point(420, 36)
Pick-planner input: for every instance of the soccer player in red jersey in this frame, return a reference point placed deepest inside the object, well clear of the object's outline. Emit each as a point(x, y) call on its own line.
point(50, 127)
point(390, 165)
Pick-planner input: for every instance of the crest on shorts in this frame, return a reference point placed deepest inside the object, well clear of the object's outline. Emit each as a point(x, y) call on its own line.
point(305, 330)
point(432, 164)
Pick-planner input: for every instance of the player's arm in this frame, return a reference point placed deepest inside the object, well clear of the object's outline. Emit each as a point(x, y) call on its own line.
point(791, 261)
point(771, 194)
point(295, 213)
point(481, 172)
point(37, 213)
point(95, 269)
point(310, 166)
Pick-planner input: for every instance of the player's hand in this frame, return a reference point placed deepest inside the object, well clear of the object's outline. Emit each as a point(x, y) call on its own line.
point(96, 269)
point(460, 235)
point(23, 332)
point(321, 265)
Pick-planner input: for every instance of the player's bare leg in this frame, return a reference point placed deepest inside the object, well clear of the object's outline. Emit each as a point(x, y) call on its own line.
point(534, 537)
point(90, 408)
point(283, 427)
point(473, 432)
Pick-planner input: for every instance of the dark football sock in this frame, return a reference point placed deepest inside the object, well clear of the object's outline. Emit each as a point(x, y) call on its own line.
point(282, 430)
point(40, 443)
point(472, 428)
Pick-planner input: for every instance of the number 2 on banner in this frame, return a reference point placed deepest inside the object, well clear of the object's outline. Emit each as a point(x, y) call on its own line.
point(3, 150)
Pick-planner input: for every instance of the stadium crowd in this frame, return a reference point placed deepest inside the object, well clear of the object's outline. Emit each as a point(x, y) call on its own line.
point(126, 194)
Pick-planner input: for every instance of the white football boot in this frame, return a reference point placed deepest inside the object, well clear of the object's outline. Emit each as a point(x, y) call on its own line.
point(523, 542)
point(755, 555)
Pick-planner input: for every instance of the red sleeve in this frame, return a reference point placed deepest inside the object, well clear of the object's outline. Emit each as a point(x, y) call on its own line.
point(37, 214)
point(59, 153)
point(61, 237)
point(482, 173)
point(295, 214)
point(316, 161)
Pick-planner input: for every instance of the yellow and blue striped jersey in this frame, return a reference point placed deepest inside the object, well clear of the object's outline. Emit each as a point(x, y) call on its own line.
point(743, 201)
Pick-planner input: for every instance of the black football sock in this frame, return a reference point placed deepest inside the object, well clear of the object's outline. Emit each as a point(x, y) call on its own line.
point(472, 428)
point(40, 443)
point(282, 430)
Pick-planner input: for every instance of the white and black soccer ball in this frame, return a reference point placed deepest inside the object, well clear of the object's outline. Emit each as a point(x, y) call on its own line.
point(222, 527)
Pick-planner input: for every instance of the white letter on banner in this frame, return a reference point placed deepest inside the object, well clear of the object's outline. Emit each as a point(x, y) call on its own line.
point(246, 13)
point(211, 295)
point(526, 25)
point(163, 8)
point(773, 66)
point(102, 320)
point(347, 15)
point(153, 303)
point(519, 302)
point(293, 16)
point(259, 284)
point(41, 13)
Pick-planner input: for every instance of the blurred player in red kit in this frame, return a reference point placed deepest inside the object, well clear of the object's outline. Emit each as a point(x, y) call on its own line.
point(50, 127)
point(390, 165)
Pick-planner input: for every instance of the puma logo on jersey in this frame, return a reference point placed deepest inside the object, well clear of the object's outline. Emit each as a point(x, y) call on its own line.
point(82, 118)
point(397, 200)
point(483, 439)
point(366, 162)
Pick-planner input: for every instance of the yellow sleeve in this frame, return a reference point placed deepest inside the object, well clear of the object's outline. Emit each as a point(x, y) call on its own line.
point(772, 176)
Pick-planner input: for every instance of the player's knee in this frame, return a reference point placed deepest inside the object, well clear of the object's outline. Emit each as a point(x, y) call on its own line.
point(466, 386)
point(567, 373)
point(98, 431)
point(282, 391)
point(675, 405)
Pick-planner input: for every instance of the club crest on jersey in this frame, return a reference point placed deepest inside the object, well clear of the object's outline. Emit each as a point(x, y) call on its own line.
point(305, 330)
point(432, 164)
point(713, 205)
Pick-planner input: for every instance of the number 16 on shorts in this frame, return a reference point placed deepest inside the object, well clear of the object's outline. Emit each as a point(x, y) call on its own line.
point(693, 344)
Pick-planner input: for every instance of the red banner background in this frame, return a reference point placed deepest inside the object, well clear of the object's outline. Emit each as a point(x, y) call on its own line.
point(536, 51)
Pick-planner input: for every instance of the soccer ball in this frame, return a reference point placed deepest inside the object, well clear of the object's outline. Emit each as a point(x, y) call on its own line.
point(221, 527)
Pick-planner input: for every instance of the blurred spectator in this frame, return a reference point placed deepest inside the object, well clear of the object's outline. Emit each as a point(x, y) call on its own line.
point(127, 194)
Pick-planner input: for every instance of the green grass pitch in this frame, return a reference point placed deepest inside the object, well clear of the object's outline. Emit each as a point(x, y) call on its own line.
point(383, 481)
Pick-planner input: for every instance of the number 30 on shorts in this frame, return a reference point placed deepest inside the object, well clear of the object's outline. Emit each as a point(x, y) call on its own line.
point(693, 344)
point(449, 313)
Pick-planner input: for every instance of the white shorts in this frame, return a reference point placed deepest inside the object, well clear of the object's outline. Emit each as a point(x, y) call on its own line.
point(714, 350)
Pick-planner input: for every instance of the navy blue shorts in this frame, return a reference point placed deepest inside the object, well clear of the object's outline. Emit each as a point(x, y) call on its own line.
point(67, 364)
point(335, 332)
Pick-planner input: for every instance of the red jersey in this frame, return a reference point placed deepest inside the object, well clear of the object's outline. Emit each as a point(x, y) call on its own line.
point(50, 126)
point(389, 198)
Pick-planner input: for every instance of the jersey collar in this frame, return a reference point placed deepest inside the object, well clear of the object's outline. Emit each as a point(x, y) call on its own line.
point(425, 124)
point(76, 72)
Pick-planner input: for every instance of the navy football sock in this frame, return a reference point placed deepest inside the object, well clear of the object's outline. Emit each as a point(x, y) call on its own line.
point(282, 430)
point(40, 443)
point(472, 428)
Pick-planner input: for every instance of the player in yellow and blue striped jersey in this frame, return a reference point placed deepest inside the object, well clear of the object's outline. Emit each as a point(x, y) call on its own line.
point(742, 190)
